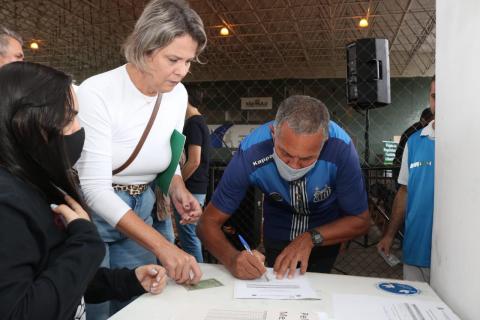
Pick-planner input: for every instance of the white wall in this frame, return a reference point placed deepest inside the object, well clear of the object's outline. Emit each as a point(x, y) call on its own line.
point(456, 232)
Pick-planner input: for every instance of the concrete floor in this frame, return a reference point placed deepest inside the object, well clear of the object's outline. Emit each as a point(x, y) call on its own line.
point(360, 258)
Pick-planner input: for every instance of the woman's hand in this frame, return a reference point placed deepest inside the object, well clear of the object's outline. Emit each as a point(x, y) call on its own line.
point(185, 203)
point(180, 266)
point(153, 278)
point(70, 211)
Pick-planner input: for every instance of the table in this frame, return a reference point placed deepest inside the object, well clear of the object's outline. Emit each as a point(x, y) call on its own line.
point(176, 303)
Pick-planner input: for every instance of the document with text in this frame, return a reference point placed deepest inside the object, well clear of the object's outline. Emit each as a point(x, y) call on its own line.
point(296, 288)
point(349, 306)
point(218, 314)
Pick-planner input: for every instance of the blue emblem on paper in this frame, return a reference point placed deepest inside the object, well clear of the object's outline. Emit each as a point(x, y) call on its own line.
point(398, 288)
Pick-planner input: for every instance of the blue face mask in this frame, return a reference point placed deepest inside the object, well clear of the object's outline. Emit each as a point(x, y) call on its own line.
point(287, 172)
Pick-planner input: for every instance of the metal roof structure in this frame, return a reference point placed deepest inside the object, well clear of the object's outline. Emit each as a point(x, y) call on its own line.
point(269, 39)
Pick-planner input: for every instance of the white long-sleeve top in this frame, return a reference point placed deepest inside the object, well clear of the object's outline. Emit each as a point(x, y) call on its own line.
point(114, 114)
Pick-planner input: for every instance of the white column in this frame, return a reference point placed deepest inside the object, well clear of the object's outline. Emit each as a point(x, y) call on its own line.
point(456, 230)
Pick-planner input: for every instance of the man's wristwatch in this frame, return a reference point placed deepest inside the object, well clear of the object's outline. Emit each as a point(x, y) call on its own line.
point(317, 238)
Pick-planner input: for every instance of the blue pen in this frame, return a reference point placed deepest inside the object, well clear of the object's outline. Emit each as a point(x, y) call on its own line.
point(247, 247)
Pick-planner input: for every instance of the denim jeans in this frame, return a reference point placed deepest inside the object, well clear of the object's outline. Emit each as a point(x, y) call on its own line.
point(187, 235)
point(165, 227)
point(122, 252)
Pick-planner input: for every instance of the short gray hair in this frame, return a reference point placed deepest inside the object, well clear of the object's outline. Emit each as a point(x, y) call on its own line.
point(5, 35)
point(160, 23)
point(304, 115)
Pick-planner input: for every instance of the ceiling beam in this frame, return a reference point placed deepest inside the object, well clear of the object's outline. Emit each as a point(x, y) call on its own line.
point(420, 41)
point(219, 16)
point(298, 31)
point(266, 32)
point(402, 20)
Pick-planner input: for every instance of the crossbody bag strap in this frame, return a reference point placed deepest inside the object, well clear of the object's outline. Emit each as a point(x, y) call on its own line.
point(142, 139)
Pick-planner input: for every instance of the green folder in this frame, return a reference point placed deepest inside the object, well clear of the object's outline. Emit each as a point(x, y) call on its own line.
point(163, 180)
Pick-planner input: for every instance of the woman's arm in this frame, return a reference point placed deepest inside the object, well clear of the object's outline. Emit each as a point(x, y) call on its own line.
point(180, 266)
point(55, 291)
point(123, 284)
point(95, 165)
point(193, 161)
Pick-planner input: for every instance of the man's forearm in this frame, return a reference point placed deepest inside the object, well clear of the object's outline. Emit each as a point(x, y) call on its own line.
point(345, 228)
point(216, 242)
point(398, 212)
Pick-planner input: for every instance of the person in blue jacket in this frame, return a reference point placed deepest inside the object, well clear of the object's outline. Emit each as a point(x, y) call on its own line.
point(315, 197)
point(413, 204)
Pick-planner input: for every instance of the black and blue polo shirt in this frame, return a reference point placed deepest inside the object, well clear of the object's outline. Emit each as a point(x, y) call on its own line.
point(332, 189)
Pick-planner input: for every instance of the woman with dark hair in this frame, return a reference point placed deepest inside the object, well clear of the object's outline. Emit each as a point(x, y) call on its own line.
point(48, 259)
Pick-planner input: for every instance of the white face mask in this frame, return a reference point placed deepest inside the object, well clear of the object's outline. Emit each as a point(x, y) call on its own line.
point(287, 172)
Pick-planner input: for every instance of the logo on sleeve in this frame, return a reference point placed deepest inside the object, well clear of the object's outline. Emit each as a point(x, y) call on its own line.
point(322, 195)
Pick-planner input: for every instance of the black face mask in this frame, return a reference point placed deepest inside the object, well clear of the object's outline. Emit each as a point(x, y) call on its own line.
point(49, 158)
point(74, 145)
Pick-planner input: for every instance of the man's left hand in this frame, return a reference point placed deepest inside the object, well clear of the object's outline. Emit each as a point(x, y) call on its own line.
point(297, 251)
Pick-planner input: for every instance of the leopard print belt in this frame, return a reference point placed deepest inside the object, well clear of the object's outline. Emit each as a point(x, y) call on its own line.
point(132, 189)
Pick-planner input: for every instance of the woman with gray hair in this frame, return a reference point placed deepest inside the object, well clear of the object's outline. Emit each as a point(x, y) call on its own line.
point(117, 109)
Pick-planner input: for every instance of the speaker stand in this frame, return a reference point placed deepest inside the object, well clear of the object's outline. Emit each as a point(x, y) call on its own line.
point(366, 155)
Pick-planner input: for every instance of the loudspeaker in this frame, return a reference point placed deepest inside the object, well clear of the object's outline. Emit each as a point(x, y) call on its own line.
point(368, 73)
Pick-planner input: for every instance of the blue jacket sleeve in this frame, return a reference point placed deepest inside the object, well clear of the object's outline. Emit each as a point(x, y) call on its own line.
point(233, 185)
point(350, 184)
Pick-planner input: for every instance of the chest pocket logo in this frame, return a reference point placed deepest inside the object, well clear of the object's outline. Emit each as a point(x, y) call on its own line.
point(275, 196)
point(419, 164)
point(322, 195)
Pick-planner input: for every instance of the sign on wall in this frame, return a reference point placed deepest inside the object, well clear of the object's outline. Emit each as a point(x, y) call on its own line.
point(389, 148)
point(256, 103)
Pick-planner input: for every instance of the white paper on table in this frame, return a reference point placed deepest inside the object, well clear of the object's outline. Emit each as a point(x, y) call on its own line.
point(218, 314)
point(296, 288)
point(349, 306)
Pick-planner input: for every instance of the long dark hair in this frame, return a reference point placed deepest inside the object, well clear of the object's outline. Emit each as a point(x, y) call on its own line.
point(36, 104)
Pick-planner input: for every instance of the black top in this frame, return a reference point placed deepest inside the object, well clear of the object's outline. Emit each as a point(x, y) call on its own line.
point(197, 133)
point(118, 284)
point(44, 268)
